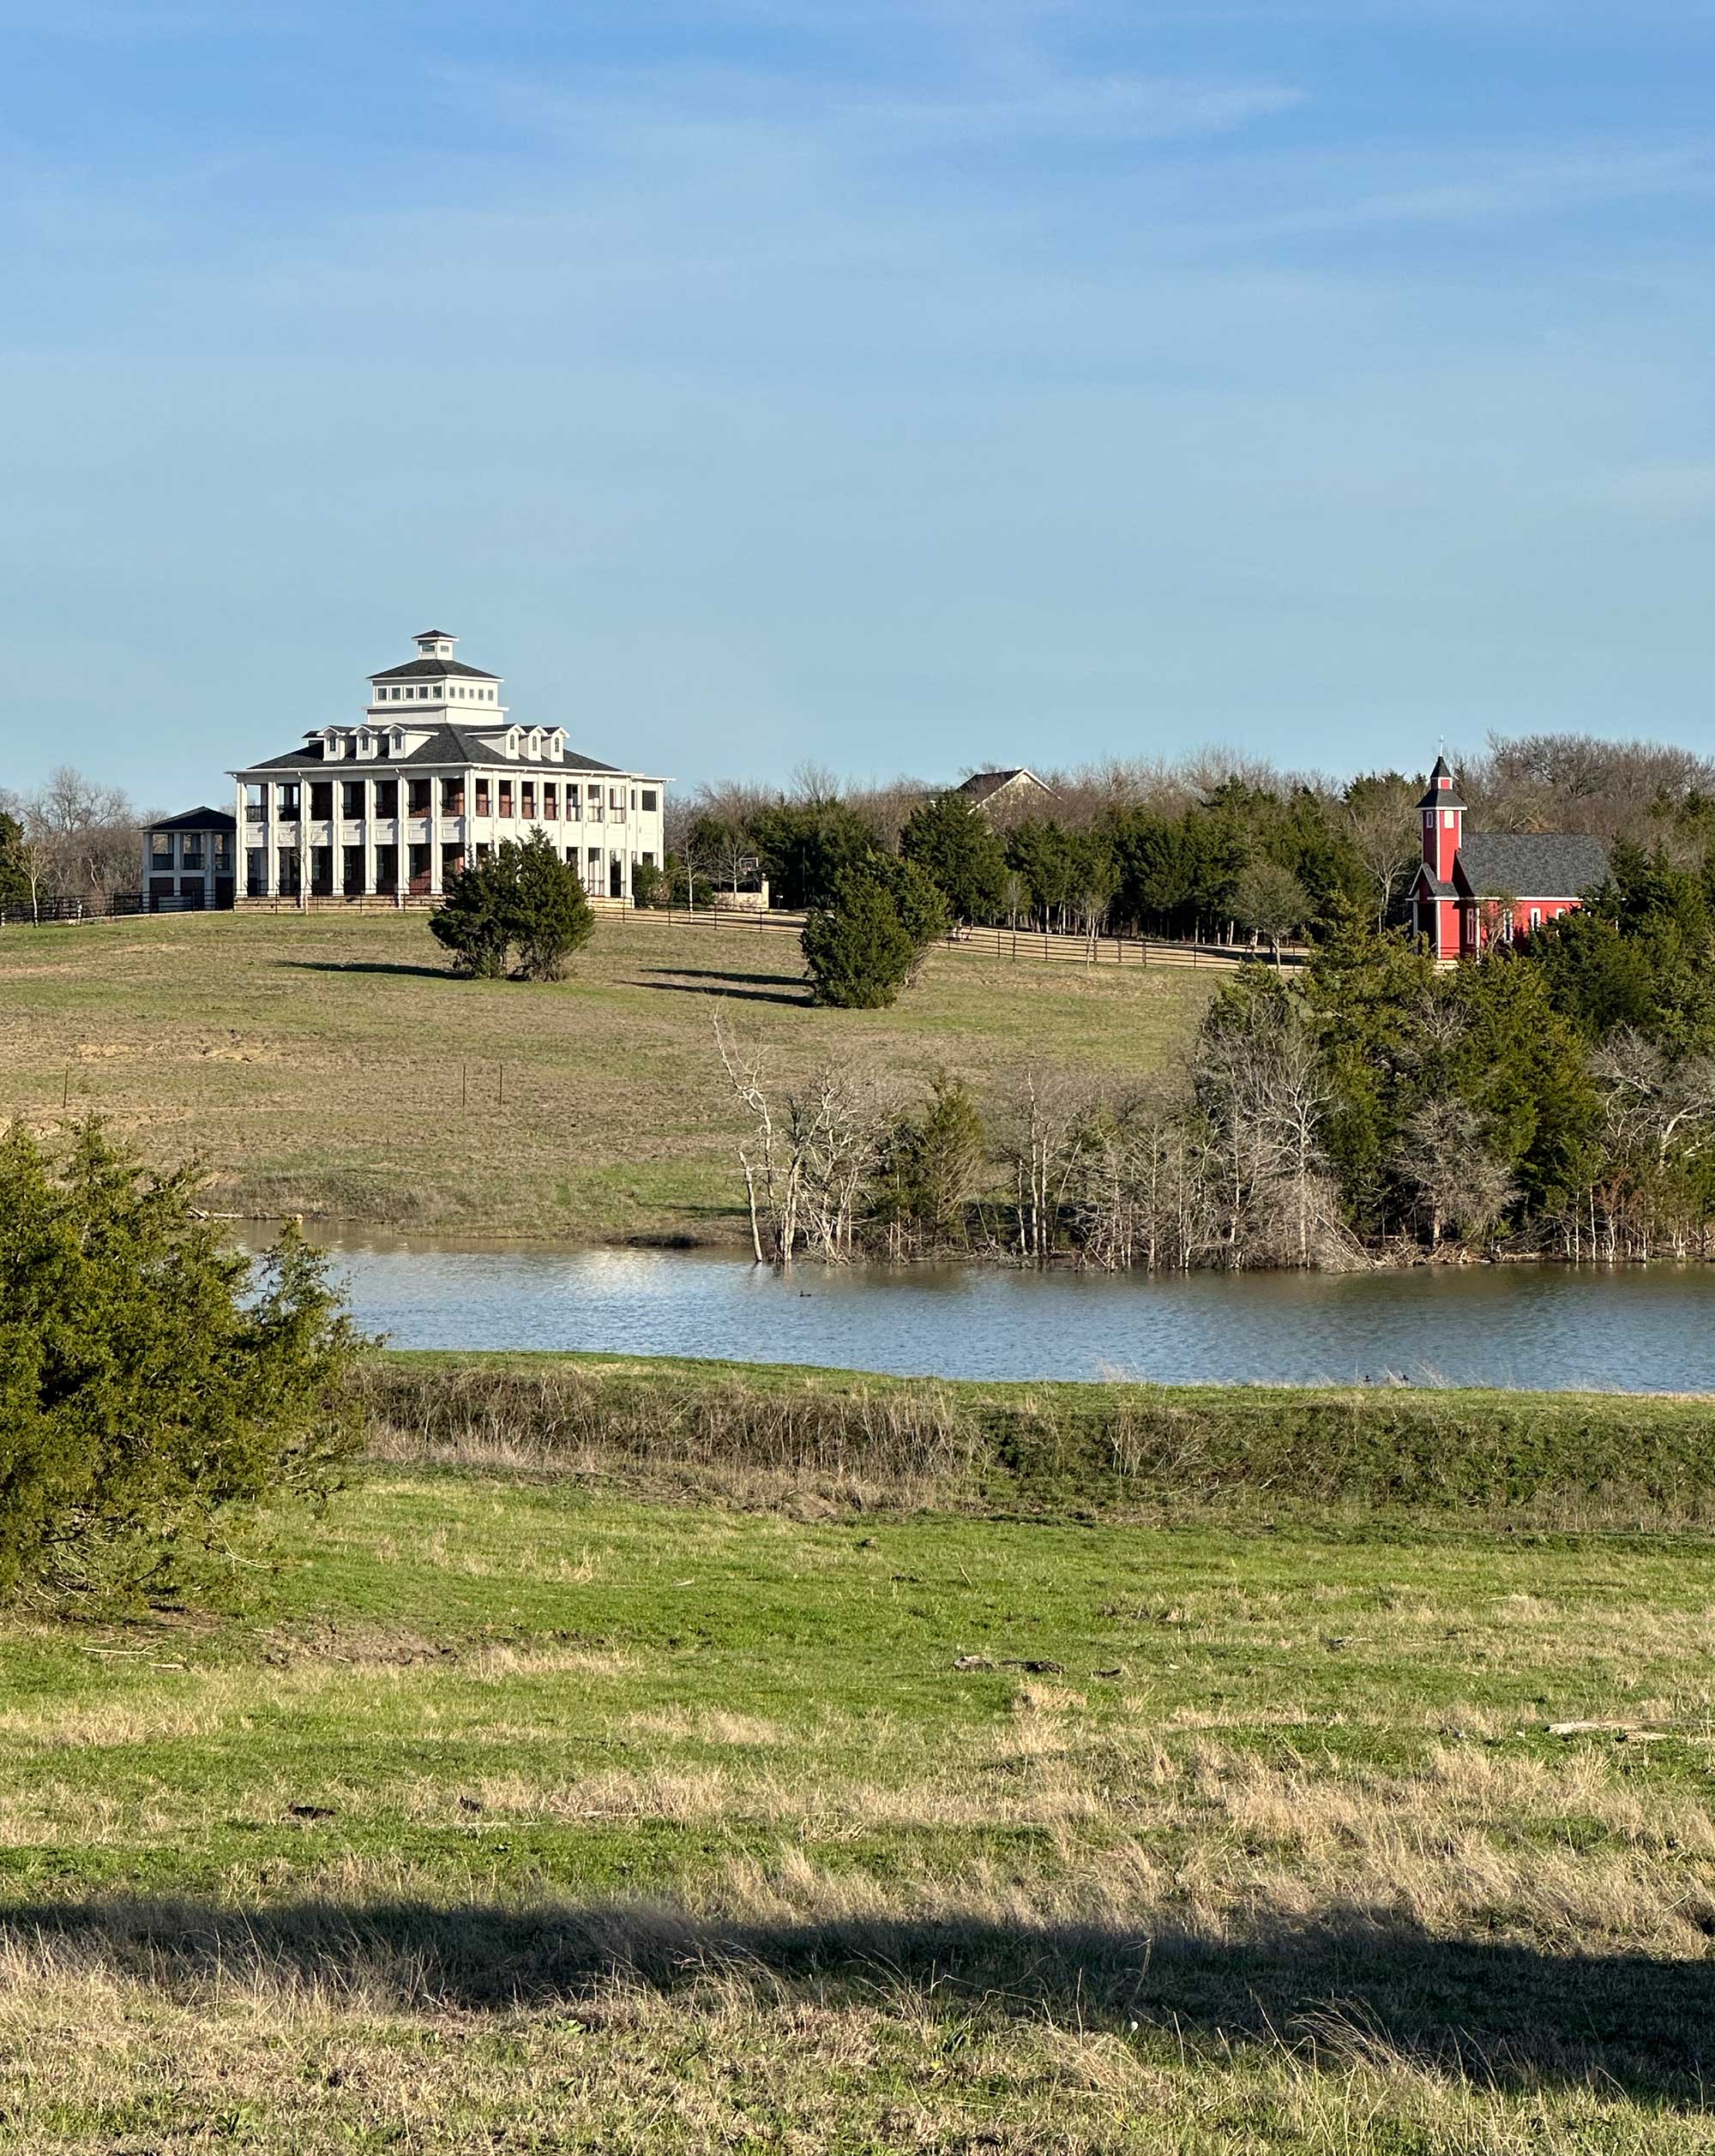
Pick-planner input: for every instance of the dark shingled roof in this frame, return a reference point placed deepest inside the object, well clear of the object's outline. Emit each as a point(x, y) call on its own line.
point(456, 746)
point(981, 784)
point(198, 820)
point(1432, 885)
point(1531, 864)
point(1436, 795)
point(433, 669)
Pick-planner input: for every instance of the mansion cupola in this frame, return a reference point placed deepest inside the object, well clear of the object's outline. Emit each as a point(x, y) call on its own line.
point(436, 684)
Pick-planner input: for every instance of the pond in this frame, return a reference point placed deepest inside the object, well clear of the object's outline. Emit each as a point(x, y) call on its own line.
point(1537, 1327)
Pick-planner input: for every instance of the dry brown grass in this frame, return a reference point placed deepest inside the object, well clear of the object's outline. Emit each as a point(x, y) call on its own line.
point(796, 2009)
point(265, 1044)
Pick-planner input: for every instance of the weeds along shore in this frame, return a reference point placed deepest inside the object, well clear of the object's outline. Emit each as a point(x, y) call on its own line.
point(763, 1434)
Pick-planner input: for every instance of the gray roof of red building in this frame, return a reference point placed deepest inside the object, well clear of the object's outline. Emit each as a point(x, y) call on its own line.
point(1530, 864)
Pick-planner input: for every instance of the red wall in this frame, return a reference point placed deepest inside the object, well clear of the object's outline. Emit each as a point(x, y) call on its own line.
point(1550, 909)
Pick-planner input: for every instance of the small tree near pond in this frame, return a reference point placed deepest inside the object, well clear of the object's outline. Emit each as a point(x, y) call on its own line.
point(152, 1389)
point(523, 898)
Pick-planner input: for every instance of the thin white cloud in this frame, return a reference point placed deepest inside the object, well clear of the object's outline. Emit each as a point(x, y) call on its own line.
point(1109, 108)
point(1475, 189)
point(1028, 105)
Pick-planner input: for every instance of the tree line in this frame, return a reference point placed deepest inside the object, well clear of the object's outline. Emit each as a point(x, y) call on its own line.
point(1556, 1098)
point(1213, 847)
point(70, 837)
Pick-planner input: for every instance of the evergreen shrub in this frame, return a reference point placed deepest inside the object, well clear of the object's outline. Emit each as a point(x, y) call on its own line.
point(152, 1387)
point(522, 898)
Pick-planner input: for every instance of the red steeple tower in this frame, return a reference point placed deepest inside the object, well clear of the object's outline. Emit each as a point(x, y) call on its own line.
point(1443, 813)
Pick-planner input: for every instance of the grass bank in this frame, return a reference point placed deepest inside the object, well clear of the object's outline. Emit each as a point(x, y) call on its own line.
point(330, 1065)
point(767, 1435)
point(514, 1809)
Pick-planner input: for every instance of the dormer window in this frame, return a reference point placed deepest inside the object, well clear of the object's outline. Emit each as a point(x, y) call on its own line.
point(512, 740)
point(535, 740)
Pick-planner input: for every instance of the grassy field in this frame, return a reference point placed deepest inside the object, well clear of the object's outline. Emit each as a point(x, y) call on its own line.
point(540, 1808)
point(331, 1065)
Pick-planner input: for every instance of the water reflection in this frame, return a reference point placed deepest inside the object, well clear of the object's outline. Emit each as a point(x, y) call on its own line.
point(1535, 1327)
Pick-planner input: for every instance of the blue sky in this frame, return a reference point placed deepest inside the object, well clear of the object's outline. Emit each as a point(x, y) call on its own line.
point(906, 385)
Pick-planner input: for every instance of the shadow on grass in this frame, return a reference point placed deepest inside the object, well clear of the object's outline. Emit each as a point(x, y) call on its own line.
point(713, 973)
point(368, 965)
point(1350, 1988)
point(727, 991)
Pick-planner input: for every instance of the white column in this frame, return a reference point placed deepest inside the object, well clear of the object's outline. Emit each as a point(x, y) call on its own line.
point(369, 837)
point(271, 835)
point(434, 837)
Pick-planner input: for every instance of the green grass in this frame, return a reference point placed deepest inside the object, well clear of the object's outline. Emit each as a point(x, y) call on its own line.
point(539, 1809)
point(331, 1065)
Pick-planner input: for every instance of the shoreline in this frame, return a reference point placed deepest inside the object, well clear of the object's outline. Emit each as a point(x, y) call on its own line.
point(784, 1437)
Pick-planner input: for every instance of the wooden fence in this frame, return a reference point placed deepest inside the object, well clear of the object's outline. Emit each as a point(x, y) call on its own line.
point(992, 943)
point(1011, 943)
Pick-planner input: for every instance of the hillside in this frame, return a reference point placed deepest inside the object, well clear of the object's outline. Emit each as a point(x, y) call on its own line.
point(332, 1065)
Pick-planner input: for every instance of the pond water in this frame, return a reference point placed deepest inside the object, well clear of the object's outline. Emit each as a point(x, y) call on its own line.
point(1538, 1327)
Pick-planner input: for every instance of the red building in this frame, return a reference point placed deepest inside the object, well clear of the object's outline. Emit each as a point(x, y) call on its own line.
point(1475, 888)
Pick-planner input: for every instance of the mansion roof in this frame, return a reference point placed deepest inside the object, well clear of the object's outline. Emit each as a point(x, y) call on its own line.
point(449, 747)
point(433, 669)
point(197, 820)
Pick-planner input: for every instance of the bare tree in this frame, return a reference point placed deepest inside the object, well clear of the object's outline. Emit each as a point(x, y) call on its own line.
point(1458, 1183)
point(1095, 892)
point(34, 849)
point(1043, 1140)
point(1271, 901)
point(887, 808)
point(1381, 816)
point(80, 837)
point(1576, 782)
point(1658, 1107)
point(812, 1153)
point(1260, 1079)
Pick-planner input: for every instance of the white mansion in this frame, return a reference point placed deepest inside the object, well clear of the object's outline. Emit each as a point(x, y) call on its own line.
point(434, 774)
